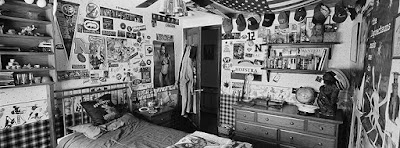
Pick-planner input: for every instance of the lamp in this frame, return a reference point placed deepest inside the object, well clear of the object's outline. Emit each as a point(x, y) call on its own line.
point(41, 3)
point(29, 1)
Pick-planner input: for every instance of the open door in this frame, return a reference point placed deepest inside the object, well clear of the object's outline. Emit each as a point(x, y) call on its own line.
point(206, 41)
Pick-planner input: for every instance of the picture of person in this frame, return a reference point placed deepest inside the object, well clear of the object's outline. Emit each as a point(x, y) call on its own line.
point(163, 64)
point(238, 51)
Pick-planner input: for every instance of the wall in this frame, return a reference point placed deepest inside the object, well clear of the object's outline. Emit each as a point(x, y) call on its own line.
point(125, 6)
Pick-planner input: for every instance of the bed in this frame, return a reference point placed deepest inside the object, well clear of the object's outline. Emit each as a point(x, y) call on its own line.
point(75, 128)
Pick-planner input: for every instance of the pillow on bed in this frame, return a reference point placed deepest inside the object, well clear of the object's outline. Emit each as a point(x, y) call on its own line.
point(89, 130)
point(95, 109)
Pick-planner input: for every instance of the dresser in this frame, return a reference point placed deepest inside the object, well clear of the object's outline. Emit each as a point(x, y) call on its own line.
point(284, 128)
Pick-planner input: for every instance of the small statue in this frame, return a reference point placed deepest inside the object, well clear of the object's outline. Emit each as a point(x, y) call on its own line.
point(28, 30)
point(317, 33)
point(328, 95)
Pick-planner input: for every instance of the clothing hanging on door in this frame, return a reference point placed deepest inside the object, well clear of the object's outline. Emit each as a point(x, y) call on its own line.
point(186, 82)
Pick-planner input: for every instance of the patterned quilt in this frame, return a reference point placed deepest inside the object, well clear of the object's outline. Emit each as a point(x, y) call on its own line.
point(204, 140)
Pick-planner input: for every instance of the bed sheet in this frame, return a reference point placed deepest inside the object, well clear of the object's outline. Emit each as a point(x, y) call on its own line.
point(137, 134)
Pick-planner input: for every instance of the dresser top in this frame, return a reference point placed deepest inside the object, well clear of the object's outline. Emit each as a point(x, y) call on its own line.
point(288, 111)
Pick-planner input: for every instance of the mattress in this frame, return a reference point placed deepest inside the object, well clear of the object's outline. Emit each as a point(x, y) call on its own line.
point(138, 134)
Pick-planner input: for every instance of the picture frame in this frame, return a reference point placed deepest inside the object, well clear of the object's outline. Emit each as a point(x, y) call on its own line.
point(396, 38)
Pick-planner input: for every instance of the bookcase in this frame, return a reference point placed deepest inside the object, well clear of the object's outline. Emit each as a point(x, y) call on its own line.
point(22, 51)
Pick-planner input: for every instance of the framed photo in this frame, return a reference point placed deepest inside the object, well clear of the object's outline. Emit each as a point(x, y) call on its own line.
point(396, 38)
point(149, 50)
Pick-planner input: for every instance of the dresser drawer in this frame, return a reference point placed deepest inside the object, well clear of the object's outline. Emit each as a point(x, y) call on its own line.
point(162, 118)
point(257, 130)
point(322, 128)
point(245, 115)
point(305, 140)
point(280, 121)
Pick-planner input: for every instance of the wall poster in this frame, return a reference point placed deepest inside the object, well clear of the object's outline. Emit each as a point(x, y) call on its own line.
point(164, 64)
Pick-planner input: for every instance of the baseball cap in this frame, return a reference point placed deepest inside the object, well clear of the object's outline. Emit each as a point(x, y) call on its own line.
point(254, 21)
point(340, 13)
point(300, 14)
point(268, 19)
point(283, 19)
point(353, 13)
point(227, 25)
point(241, 22)
point(321, 12)
point(349, 3)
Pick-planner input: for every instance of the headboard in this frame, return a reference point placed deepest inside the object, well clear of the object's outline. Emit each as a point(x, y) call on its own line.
point(68, 111)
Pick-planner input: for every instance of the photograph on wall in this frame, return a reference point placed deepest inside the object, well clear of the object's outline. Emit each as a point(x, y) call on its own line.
point(164, 64)
point(97, 53)
point(238, 51)
point(66, 15)
point(108, 23)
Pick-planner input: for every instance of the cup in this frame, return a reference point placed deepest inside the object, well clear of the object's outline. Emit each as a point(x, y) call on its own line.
point(37, 80)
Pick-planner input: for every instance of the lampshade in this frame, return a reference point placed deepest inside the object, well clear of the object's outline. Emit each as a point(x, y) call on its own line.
point(29, 1)
point(41, 3)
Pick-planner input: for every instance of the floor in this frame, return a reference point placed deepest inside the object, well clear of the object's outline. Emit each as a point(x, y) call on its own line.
point(208, 123)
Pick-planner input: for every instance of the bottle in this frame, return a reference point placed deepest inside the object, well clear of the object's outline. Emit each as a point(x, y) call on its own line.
point(280, 61)
point(394, 99)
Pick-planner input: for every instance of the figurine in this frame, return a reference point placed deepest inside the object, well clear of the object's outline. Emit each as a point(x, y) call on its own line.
point(317, 33)
point(328, 95)
point(1, 28)
point(28, 30)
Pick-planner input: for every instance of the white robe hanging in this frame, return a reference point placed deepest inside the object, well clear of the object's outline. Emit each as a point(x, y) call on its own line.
point(186, 82)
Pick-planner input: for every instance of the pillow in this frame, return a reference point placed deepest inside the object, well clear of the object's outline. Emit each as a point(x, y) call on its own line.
point(89, 130)
point(113, 125)
point(95, 109)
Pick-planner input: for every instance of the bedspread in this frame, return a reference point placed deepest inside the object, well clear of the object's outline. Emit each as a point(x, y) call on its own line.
point(200, 139)
point(139, 134)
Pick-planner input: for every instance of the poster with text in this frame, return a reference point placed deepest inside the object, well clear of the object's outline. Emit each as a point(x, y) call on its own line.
point(97, 53)
point(164, 64)
point(66, 15)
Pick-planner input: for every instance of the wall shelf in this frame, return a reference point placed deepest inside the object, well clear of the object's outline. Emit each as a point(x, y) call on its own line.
point(25, 37)
point(26, 70)
point(297, 71)
point(25, 53)
point(303, 44)
point(26, 85)
point(24, 20)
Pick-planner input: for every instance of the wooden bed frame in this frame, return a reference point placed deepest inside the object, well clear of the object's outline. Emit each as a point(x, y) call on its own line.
point(66, 105)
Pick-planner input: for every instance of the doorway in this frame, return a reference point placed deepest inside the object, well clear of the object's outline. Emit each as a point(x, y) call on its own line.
point(207, 64)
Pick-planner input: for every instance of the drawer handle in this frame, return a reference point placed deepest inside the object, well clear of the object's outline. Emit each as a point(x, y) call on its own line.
point(291, 123)
point(321, 128)
point(266, 133)
point(244, 128)
point(266, 119)
point(291, 138)
point(162, 119)
point(244, 115)
point(320, 144)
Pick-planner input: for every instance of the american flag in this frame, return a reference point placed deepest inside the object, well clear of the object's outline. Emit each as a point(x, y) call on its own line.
point(262, 6)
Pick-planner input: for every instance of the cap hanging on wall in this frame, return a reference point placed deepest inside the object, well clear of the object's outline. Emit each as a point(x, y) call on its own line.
point(300, 14)
point(321, 12)
point(283, 19)
point(254, 21)
point(340, 13)
point(241, 22)
point(268, 19)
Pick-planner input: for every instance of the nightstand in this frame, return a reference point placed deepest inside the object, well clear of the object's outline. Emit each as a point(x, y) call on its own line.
point(162, 117)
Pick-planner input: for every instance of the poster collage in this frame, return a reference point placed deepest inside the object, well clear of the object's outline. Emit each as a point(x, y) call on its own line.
point(106, 45)
point(375, 121)
point(23, 108)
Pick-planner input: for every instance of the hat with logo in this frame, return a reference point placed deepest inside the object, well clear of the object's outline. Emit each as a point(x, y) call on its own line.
point(300, 14)
point(321, 12)
point(340, 13)
point(268, 19)
point(227, 25)
point(241, 22)
point(254, 21)
point(283, 19)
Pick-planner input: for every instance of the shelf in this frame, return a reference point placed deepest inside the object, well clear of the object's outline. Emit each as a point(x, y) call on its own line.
point(26, 85)
point(26, 70)
point(297, 71)
point(24, 20)
point(25, 53)
point(302, 44)
point(25, 37)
